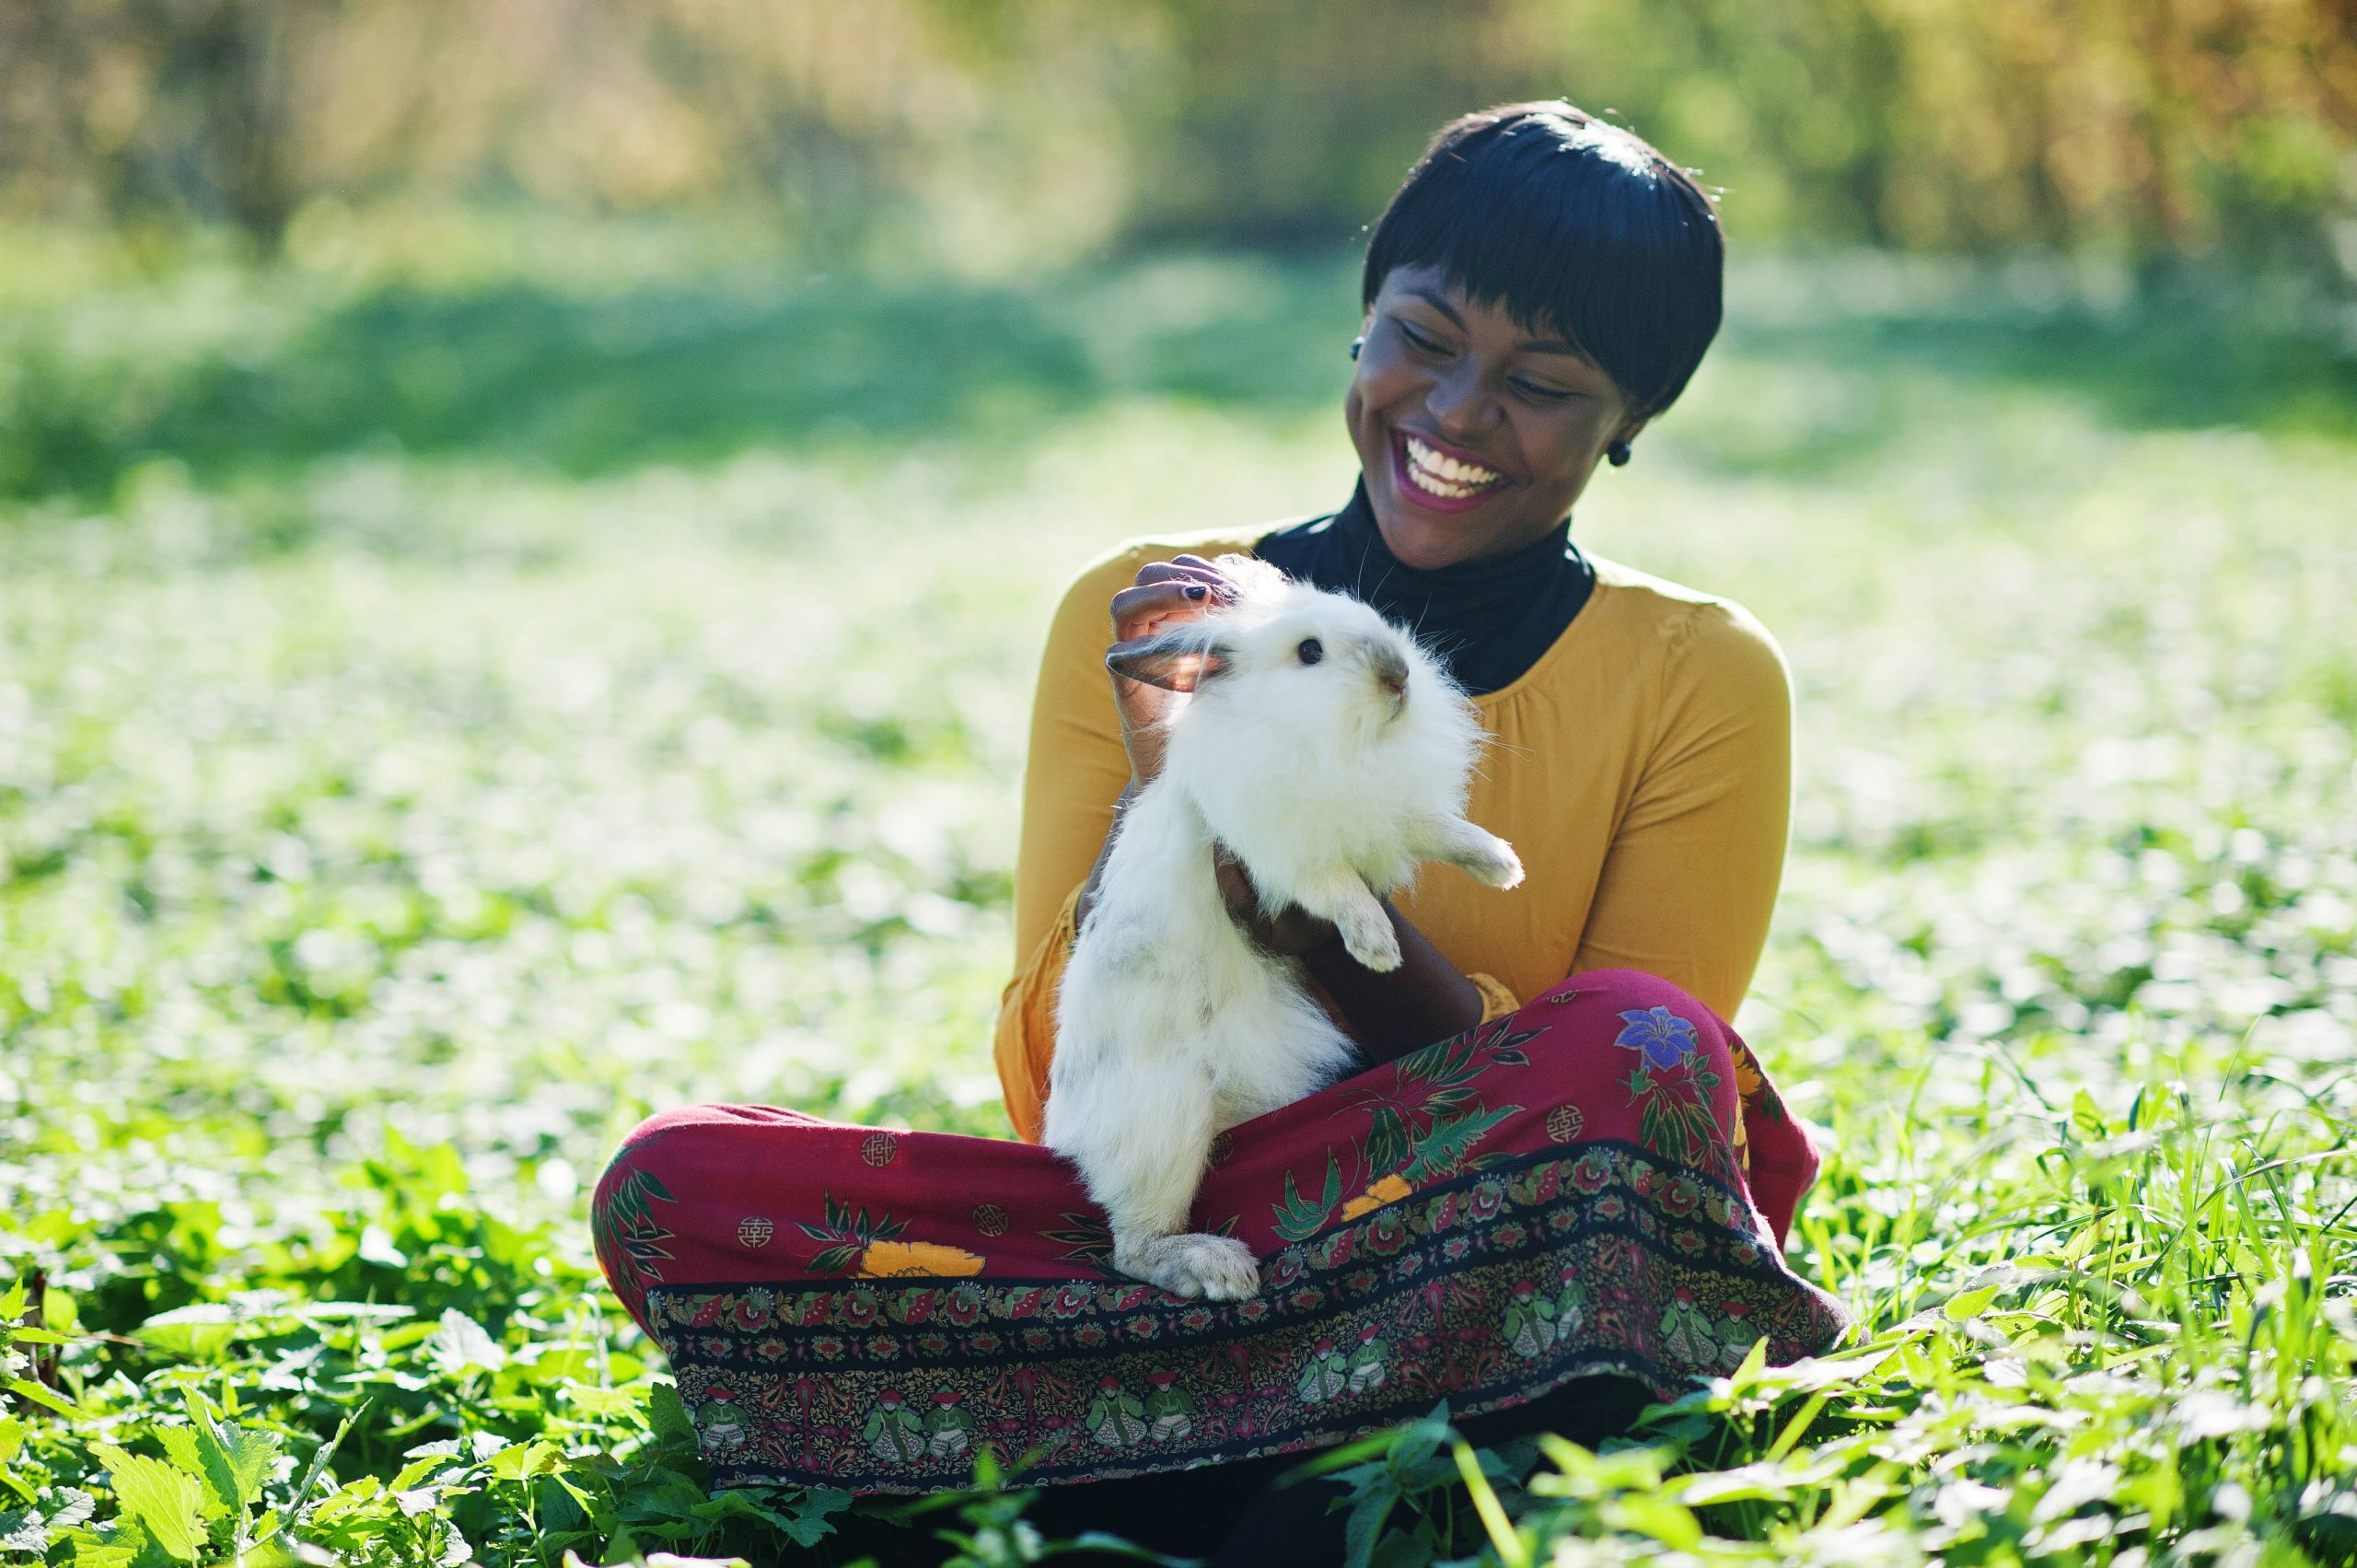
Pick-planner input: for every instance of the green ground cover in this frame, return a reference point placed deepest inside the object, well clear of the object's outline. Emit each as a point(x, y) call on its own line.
point(447, 711)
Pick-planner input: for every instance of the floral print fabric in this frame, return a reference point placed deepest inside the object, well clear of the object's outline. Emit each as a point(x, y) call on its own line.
point(1597, 1183)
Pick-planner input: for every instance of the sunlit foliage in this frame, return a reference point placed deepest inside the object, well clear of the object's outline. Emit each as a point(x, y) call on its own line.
point(982, 135)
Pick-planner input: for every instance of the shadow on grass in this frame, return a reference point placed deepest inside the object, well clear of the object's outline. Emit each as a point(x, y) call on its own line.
point(2160, 369)
point(694, 371)
point(2198, 351)
point(682, 373)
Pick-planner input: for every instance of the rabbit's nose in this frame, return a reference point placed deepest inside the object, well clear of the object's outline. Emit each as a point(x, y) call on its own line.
point(1392, 670)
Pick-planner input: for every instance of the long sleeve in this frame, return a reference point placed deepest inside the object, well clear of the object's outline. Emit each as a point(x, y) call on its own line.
point(1027, 1023)
point(1690, 880)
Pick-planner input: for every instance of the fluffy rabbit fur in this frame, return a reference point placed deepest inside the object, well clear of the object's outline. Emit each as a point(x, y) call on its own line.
point(1330, 755)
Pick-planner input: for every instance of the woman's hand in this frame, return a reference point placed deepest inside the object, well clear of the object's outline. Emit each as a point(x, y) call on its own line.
point(1388, 1015)
point(1166, 593)
point(1291, 933)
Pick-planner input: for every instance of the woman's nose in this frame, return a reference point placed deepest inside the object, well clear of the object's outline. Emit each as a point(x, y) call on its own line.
point(1460, 401)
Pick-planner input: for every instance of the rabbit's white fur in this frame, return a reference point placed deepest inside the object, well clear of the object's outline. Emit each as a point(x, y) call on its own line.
point(1329, 781)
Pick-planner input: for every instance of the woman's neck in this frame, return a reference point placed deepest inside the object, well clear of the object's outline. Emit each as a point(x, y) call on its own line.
point(1487, 621)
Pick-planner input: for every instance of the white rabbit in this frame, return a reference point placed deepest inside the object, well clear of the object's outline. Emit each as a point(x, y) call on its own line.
point(1330, 755)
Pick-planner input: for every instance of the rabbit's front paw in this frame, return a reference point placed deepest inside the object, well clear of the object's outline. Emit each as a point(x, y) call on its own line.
point(1367, 933)
point(1495, 864)
point(1195, 1265)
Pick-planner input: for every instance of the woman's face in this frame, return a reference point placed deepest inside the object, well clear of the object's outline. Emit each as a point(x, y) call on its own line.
point(1475, 435)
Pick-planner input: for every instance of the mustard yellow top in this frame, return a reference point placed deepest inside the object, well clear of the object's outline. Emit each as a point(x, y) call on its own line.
point(1642, 769)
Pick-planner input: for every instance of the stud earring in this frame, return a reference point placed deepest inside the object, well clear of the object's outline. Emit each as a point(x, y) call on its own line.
point(1356, 344)
point(1617, 454)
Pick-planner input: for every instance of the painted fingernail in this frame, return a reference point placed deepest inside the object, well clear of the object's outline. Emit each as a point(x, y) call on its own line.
point(1196, 591)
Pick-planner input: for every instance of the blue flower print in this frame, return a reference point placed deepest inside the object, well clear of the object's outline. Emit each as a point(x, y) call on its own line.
point(1664, 1038)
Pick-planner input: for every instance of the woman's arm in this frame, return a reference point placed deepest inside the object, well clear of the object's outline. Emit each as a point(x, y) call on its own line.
point(1087, 899)
point(1166, 593)
point(1425, 999)
point(1689, 881)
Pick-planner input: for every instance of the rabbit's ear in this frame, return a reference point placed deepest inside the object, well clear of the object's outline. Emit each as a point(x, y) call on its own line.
point(1176, 662)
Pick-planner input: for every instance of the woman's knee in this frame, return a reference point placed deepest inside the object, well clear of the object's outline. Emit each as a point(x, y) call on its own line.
point(1624, 991)
point(699, 1136)
point(657, 1126)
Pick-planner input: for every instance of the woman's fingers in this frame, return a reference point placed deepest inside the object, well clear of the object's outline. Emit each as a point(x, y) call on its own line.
point(1192, 564)
point(1161, 571)
point(1188, 569)
point(1167, 593)
point(1141, 610)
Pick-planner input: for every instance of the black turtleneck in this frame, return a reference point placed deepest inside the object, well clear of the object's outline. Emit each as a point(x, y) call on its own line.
point(1486, 621)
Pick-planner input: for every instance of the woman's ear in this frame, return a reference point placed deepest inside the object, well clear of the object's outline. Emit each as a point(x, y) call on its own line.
point(1616, 451)
point(1176, 661)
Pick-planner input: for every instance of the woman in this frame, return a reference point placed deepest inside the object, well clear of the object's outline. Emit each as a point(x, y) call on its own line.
point(1561, 1176)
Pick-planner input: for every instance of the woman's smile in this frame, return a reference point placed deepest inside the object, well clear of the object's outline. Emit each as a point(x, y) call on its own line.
point(1475, 430)
point(1430, 473)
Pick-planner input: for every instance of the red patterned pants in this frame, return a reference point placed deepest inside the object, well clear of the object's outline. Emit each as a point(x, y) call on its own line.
point(1599, 1183)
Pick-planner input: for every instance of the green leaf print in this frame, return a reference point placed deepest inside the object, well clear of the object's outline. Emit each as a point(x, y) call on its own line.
point(1442, 1064)
point(1442, 1151)
point(1297, 1218)
point(848, 1233)
point(622, 1226)
point(1389, 1143)
point(1675, 1120)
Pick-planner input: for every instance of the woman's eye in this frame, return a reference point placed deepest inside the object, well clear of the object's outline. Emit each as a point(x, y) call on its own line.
point(1543, 394)
point(1419, 342)
point(1311, 650)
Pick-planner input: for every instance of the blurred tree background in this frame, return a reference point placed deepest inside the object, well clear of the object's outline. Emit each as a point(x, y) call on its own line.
point(988, 131)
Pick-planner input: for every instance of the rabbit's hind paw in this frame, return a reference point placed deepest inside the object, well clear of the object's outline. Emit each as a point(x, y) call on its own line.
point(1219, 1267)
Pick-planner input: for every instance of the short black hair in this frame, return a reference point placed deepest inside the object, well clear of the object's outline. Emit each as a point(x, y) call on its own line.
point(1578, 227)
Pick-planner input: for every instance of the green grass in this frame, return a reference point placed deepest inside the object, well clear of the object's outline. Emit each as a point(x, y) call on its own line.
point(448, 711)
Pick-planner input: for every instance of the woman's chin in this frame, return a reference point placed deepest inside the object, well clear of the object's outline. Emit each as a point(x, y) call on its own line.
point(1421, 554)
point(1427, 542)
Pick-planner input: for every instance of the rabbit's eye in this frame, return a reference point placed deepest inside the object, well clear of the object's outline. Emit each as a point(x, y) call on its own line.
point(1311, 650)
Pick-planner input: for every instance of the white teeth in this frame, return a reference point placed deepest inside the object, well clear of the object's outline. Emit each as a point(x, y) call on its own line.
point(1444, 476)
